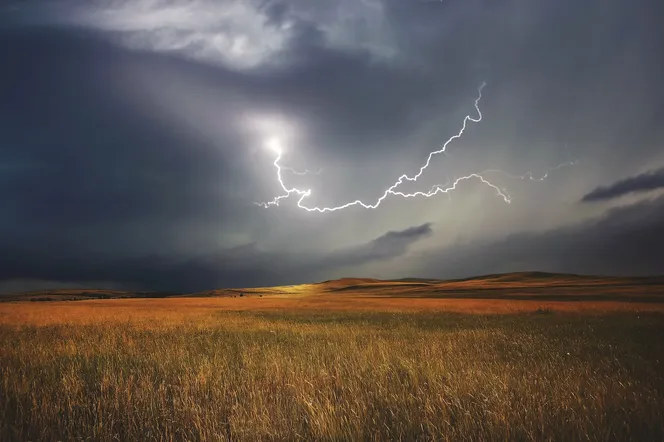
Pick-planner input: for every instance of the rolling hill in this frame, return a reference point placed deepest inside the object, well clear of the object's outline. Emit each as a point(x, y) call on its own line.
point(519, 285)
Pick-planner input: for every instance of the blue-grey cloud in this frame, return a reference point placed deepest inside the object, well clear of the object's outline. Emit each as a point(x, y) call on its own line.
point(125, 151)
point(243, 266)
point(640, 183)
point(388, 246)
point(623, 241)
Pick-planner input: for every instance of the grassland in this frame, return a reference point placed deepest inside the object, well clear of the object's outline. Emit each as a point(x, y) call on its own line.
point(537, 286)
point(322, 366)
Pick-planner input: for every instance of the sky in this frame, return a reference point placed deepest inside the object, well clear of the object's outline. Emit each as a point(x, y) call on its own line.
point(138, 136)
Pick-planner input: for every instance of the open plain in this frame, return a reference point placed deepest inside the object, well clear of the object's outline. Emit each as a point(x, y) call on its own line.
point(527, 356)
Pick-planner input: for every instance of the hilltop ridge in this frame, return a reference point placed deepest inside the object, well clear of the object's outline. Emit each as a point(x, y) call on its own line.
point(516, 285)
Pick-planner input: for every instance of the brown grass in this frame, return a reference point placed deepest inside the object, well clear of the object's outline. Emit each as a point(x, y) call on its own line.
point(190, 309)
point(324, 367)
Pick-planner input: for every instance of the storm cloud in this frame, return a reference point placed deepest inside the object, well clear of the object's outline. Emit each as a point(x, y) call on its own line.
point(132, 138)
point(388, 246)
point(640, 183)
point(623, 241)
point(240, 266)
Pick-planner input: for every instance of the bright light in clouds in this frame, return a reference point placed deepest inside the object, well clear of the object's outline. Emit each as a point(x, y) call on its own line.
point(275, 144)
point(276, 131)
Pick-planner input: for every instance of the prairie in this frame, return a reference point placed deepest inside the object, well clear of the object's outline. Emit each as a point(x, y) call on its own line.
point(351, 364)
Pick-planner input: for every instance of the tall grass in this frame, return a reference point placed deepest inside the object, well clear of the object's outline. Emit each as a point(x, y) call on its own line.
point(335, 376)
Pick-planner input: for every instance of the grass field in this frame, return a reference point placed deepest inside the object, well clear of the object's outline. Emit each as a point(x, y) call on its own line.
point(348, 367)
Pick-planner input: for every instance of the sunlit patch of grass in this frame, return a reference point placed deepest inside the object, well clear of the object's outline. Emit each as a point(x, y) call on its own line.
point(167, 373)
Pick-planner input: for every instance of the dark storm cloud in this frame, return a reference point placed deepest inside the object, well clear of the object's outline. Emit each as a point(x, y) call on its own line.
point(93, 154)
point(123, 161)
point(641, 183)
point(388, 246)
point(558, 72)
point(91, 162)
point(624, 241)
point(87, 145)
point(88, 168)
point(152, 272)
point(319, 85)
point(388, 101)
point(244, 266)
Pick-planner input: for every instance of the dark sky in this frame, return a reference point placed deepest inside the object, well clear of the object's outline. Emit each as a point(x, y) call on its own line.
point(133, 140)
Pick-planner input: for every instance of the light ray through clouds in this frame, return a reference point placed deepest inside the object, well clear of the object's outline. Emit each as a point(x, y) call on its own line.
point(274, 145)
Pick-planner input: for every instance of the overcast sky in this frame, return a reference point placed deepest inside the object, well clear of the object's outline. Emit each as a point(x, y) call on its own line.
point(135, 140)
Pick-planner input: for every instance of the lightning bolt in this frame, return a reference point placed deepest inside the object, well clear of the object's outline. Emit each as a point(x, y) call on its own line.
point(529, 175)
point(392, 190)
point(304, 172)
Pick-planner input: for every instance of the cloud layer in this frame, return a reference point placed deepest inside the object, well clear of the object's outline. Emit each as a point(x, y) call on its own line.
point(241, 34)
point(623, 241)
point(241, 266)
point(132, 138)
point(640, 183)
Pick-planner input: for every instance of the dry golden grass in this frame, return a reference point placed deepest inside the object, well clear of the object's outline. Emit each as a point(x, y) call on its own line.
point(331, 368)
point(194, 309)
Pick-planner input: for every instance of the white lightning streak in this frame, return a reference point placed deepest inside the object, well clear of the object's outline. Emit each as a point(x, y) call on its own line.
point(305, 172)
point(529, 175)
point(303, 194)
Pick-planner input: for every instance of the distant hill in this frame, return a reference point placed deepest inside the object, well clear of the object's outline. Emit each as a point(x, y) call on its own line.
point(518, 285)
point(81, 294)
